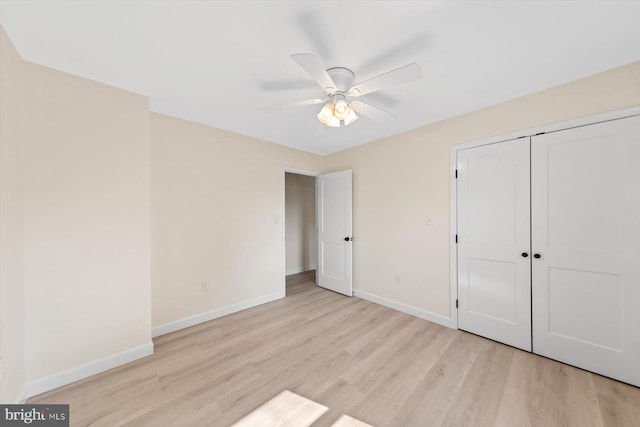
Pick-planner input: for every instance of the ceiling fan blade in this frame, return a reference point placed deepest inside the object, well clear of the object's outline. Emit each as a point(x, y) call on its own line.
point(379, 99)
point(397, 54)
point(371, 111)
point(313, 101)
point(315, 28)
point(313, 67)
point(405, 74)
point(303, 103)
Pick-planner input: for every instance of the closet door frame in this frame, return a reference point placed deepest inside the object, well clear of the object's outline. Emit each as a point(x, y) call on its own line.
point(453, 192)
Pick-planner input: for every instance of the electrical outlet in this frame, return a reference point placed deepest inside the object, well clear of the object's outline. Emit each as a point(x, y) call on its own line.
point(397, 277)
point(205, 285)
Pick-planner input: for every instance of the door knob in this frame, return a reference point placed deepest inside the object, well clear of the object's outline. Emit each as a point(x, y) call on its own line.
point(346, 239)
point(524, 254)
point(537, 256)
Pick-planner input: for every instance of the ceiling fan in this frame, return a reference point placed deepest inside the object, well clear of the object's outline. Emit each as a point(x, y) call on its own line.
point(341, 94)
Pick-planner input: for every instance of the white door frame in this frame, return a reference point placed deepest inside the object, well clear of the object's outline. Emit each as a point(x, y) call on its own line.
point(283, 223)
point(453, 192)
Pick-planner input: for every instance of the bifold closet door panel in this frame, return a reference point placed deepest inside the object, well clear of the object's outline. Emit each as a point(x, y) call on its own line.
point(585, 197)
point(494, 270)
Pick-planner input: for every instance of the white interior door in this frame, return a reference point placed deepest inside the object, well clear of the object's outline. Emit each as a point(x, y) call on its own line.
point(333, 192)
point(586, 229)
point(494, 268)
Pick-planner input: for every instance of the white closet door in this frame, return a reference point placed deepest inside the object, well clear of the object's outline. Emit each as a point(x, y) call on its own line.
point(494, 269)
point(586, 229)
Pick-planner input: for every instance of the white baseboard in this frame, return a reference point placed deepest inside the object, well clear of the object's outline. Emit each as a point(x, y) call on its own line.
point(296, 270)
point(23, 397)
point(414, 311)
point(214, 314)
point(34, 388)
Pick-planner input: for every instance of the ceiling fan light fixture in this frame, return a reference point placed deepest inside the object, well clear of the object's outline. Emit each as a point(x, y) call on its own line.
point(341, 109)
point(352, 117)
point(326, 116)
point(337, 112)
point(334, 122)
point(326, 113)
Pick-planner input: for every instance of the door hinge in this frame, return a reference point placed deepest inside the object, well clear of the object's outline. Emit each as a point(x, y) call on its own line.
point(456, 303)
point(456, 173)
point(456, 238)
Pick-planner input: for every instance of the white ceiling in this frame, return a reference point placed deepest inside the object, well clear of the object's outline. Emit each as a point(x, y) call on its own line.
point(221, 63)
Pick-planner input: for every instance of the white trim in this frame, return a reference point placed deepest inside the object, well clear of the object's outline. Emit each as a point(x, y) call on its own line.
point(186, 322)
point(287, 169)
point(34, 388)
point(296, 270)
point(22, 398)
point(453, 196)
point(553, 127)
point(405, 308)
point(283, 224)
point(453, 230)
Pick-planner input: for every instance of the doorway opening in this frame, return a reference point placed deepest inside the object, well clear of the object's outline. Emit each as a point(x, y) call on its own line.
point(300, 232)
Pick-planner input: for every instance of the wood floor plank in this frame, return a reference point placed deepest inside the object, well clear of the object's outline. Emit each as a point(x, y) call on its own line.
point(377, 365)
point(474, 406)
point(541, 391)
point(440, 388)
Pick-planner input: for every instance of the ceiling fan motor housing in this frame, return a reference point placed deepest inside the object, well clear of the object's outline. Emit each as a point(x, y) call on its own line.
point(342, 77)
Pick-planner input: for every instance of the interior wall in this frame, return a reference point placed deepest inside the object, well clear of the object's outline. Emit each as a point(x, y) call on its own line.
point(216, 217)
point(300, 222)
point(86, 221)
point(12, 286)
point(401, 185)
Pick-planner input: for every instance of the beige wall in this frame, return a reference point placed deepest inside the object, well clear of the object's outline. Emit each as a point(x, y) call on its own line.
point(300, 222)
point(216, 216)
point(86, 221)
point(12, 325)
point(402, 180)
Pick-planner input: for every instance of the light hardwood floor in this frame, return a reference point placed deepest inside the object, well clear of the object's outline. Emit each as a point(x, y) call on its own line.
point(370, 362)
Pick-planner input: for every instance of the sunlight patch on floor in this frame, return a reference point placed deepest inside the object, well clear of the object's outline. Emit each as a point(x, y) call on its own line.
point(286, 409)
point(347, 421)
point(292, 410)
